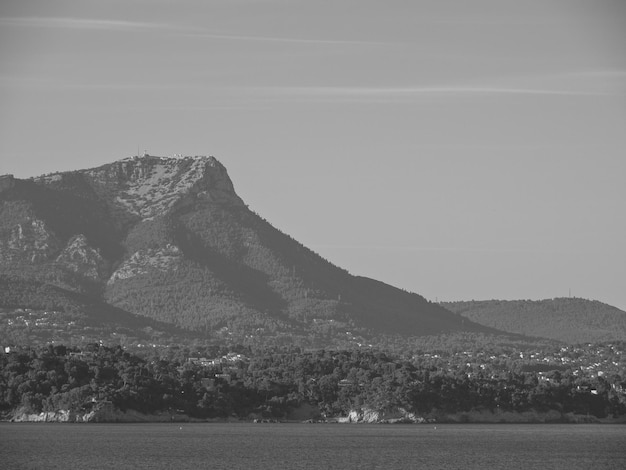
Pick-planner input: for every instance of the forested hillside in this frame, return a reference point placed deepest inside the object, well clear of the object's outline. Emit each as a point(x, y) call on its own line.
point(571, 320)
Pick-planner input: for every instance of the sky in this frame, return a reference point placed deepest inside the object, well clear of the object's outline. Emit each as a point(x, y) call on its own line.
point(458, 149)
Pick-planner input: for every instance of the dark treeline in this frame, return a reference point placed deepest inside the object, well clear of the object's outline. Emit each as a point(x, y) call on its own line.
point(271, 383)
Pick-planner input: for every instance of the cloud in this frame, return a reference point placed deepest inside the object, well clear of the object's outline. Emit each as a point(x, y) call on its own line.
point(55, 83)
point(407, 92)
point(283, 39)
point(602, 73)
point(79, 23)
point(192, 32)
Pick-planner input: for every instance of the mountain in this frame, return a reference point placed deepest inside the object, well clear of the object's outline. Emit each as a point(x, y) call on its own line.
point(169, 240)
point(572, 320)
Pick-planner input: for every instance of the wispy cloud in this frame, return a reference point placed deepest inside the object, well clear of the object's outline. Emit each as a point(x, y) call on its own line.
point(79, 23)
point(407, 92)
point(72, 83)
point(610, 73)
point(282, 39)
point(191, 32)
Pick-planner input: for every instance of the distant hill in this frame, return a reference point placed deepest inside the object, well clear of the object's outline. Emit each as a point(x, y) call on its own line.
point(168, 239)
point(571, 320)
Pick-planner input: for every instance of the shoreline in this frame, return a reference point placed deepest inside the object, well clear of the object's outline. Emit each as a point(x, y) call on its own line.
point(353, 418)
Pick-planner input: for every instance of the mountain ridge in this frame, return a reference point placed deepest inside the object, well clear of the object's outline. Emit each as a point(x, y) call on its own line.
point(169, 239)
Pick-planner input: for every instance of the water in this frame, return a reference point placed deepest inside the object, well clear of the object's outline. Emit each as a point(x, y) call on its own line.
point(310, 446)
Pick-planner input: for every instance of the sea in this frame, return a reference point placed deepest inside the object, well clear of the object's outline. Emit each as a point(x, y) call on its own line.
point(311, 446)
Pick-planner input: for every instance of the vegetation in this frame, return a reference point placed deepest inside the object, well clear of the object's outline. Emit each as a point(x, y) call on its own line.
point(571, 320)
point(117, 256)
point(213, 382)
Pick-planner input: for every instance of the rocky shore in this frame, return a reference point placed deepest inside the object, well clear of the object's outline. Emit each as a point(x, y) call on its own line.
point(486, 416)
point(102, 415)
point(109, 414)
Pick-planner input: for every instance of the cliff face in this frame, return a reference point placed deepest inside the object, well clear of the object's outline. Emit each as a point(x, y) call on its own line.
point(30, 241)
point(79, 257)
point(102, 415)
point(371, 416)
point(168, 238)
point(150, 186)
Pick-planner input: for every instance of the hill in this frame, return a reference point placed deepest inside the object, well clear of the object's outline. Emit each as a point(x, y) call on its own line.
point(168, 239)
point(571, 320)
point(33, 312)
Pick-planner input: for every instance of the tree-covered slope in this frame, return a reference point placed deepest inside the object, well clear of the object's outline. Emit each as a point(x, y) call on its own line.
point(572, 320)
point(33, 312)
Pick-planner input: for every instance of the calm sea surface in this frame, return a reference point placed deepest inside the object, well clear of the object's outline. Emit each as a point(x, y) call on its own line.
point(310, 446)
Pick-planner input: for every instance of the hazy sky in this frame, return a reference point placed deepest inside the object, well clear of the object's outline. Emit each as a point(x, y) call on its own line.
point(458, 149)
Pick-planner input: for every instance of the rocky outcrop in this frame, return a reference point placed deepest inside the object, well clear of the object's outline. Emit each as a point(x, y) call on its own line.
point(102, 414)
point(162, 259)
point(149, 186)
point(60, 416)
point(368, 415)
point(30, 241)
point(81, 258)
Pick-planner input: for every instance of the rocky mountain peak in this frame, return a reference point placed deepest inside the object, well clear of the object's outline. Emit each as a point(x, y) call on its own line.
point(148, 186)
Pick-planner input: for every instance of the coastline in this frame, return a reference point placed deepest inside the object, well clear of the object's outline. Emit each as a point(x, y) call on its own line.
point(361, 416)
